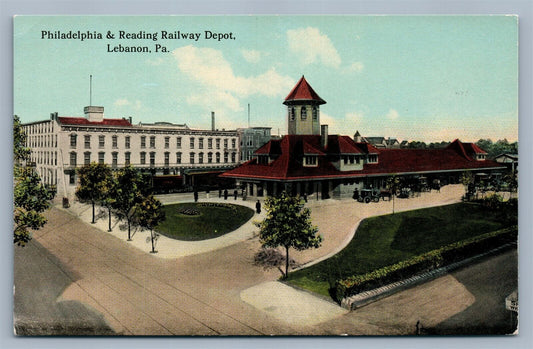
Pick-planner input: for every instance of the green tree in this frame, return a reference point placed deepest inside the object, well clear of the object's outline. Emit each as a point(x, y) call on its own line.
point(30, 197)
point(149, 214)
point(288, 224)
point(128, 194)
point(109, 187)
point(92, 177)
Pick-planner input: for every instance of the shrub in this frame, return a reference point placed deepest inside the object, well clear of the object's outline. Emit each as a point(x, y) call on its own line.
point(425, 262)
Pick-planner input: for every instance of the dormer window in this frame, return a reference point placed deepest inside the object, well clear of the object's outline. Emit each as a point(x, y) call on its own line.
point(262, 159)
point(372, 159)
point(310, 160)
point(480, 157)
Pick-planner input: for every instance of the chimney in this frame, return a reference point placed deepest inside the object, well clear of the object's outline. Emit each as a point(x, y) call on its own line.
point(94, 114)
point(324, 136)
point(212, 121)
point(130, 119)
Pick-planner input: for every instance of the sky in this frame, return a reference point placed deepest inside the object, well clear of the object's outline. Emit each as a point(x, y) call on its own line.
point(425, 78)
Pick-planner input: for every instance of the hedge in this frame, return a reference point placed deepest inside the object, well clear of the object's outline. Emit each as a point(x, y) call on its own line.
point(425, 262)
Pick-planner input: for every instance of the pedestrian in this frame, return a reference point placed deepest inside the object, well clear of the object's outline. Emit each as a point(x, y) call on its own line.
point(235, 193)
point(305, 197)
point(195, 196)
point(258, 207)
point(225, 194)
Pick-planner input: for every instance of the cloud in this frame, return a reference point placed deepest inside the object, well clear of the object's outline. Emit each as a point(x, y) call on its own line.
point(312, 47)
point(251, 56)
point(121, 102)
point(219, 86)
point(392, 114)
point(356, 67)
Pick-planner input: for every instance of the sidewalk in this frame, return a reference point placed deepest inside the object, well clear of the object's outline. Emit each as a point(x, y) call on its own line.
point(166, 247)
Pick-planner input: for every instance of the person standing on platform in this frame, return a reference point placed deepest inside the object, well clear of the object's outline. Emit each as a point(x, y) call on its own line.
point(258, 207)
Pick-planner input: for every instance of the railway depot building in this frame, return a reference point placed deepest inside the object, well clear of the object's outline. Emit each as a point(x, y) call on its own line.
point(170, 152)
point(308, 161)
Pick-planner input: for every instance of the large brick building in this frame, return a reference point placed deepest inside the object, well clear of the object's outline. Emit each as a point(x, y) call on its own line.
point(62, 144)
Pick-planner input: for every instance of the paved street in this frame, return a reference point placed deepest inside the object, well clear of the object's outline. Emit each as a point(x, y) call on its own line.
point(103, 280)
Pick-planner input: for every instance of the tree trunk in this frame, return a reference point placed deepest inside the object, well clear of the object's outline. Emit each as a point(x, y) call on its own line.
point(93, 213)
point(129, 236)
point(286, 262)
point(152, 236)
point(109, 213)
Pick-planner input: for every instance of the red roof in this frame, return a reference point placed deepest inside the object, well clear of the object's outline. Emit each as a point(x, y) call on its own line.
point(287, 161)
point(83, 121)
point(303, 92)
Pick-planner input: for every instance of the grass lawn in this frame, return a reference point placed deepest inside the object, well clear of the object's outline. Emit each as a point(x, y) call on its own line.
point(212, 221)
point(385, 240)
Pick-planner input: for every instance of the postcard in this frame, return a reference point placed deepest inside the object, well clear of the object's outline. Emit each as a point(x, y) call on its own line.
point(265, 175)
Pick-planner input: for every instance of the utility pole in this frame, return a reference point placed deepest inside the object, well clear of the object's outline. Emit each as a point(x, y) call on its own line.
point(90, 90)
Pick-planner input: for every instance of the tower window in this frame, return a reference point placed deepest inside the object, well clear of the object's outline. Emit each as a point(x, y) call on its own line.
point(291, 113)
point(303, 113)
point(315, 113)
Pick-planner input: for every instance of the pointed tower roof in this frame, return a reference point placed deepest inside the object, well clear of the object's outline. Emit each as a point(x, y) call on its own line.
point(303, 92)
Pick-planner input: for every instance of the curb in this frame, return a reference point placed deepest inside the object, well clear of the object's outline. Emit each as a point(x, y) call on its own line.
point(364, 298)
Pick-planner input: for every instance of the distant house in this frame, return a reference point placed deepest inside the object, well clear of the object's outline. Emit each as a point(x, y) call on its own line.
point(379, 142)
point(309, 161)
point(510, 160)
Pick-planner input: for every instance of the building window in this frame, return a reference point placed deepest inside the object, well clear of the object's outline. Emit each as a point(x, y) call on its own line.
point(210, 143)
point(114, 142)
point(291, 113)
point(73, 140)
point(201, 158)
point(87, 141)
point(167, 142)
point(303, 113)
point(233, 157)
point(127, 142)
point(201, 143)
point(73, 158)
point(143, 141)
point(101, 157)
point(114, 162)
point(167, 159)
point(127, 158)
point(143, 158)
point(152, 159)
point(262, 159)
point(152, 141)
point(191, 158)
point(192, 143)
point(209, 158)
point(72, 178)
point(225, 143)
point(226, 157)
point(55, 159)
point(372, 158)
point(101, 141)
point(178, 142)
point(233, 142)
point(250, 141)
point(218, 158)
point(315, 113)
point(218, 143)
point(178, 158)
point(87, 158)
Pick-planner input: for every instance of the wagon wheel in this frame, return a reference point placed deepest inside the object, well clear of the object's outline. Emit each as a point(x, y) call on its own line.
point(367, 199)
point(375, 199)
point(360, 199)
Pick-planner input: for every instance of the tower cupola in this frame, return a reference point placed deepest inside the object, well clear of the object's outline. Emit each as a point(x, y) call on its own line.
point(303, 109)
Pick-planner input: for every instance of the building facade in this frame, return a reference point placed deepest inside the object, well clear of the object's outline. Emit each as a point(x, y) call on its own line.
point(251, 139)
point(308, 161)
point(60, 145)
